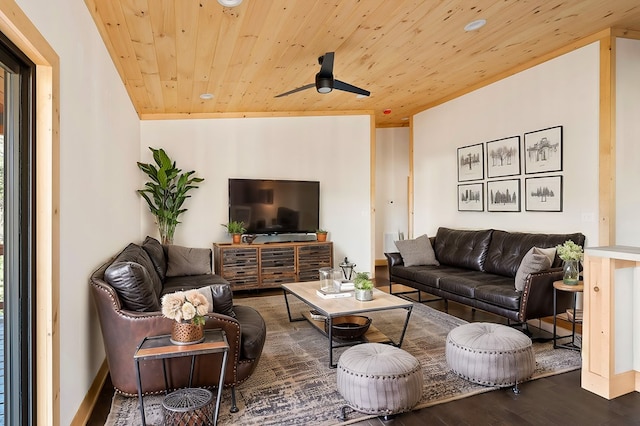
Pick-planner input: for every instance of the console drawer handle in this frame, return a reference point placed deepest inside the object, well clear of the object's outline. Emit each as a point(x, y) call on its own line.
point(596, 289)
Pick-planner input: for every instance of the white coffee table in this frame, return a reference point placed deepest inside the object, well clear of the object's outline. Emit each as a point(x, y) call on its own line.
point(332, 308)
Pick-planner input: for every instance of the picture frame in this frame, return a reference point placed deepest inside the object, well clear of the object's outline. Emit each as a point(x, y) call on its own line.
point(543, 150)
point(503, 157)
point(471, 197)
point(503, 195)
point(543, 194)
point(471, 162)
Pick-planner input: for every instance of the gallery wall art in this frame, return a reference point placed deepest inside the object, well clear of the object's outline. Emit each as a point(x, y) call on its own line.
point(539, 153)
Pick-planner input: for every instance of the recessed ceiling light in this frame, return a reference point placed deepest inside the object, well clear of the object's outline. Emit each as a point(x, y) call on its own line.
point(230, 3)
point(404, 118)
point(475, 25)
point(206, 96)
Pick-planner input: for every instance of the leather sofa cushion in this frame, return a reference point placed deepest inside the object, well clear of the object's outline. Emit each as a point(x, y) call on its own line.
point(156, 254)
point(134, 278)
point(462, 283)
point(183, 261)
point(133, 284)
point(504, 295)
point(253, 331)
point(220, 295)
point(462, 248)
point(507, 249)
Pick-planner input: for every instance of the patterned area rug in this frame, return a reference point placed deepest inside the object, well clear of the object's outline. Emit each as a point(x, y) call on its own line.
point(293, 384)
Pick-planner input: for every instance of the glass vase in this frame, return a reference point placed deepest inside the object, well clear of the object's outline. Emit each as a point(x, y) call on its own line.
point(571, 272)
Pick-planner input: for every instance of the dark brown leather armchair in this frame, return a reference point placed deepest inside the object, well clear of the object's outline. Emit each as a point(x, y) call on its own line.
point(123, 330)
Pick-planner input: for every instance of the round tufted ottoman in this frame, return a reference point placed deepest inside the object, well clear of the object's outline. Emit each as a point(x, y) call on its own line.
point(490, 354)
point(379, 379)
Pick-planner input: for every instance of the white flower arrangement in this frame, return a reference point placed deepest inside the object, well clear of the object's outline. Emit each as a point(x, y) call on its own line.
point(570, 251)
point(185, 306)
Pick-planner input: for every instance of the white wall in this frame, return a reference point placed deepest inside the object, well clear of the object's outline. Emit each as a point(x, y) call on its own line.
point(392, 173)
point(99, 209)
point(627, 142)
point(334, 150)
point(562, 91)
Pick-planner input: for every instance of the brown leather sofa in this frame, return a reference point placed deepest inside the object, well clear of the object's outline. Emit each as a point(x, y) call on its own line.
point(478, 267)
point(127, 291)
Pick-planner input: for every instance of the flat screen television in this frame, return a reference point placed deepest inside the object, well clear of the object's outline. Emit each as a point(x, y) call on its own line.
point(268, 206)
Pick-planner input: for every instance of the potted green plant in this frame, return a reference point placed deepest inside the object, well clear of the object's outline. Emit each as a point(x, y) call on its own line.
point(235, 229)
point(363, 286)
point(321, 235)
point(166, 192)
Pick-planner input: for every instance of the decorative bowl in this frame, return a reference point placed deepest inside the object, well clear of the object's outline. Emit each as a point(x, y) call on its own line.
point(349, 327)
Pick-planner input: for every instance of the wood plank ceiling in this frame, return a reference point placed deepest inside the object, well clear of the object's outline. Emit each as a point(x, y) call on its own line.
point(409, 54)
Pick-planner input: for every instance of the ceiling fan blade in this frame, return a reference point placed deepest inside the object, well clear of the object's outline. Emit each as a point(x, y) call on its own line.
point(299, 89)
point(326, 66)
point(346, 87)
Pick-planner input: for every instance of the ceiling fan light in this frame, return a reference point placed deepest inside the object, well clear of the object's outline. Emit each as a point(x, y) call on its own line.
point(324, 84)
point(230, 3)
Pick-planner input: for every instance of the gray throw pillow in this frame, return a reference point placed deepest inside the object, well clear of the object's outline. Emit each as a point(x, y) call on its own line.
point(535, 260)
point(220, 298)
point(417, 252)
point(183, 261)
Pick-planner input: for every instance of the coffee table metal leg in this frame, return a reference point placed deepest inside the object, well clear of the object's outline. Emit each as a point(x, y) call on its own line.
point(404, 329)
point(330, 335)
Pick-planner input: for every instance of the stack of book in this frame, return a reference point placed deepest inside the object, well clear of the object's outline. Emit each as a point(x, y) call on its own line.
point(332, 294)
point(578, 317)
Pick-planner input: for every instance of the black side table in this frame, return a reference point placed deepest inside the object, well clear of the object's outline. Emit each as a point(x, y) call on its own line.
point(575, 289)
point(160, 347)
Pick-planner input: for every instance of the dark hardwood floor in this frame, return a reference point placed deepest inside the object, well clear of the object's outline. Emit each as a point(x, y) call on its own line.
point(555, 400)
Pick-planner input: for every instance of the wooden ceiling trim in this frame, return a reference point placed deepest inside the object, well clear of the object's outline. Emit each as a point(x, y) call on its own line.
point(274, 114)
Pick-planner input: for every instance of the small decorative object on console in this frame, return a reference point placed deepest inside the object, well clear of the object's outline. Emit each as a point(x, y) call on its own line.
point(572, 254)
point(187, 309)
point(235, 229)
point(321, 235)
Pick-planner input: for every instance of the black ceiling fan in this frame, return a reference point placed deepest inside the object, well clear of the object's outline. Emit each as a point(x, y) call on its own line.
point(325, 82)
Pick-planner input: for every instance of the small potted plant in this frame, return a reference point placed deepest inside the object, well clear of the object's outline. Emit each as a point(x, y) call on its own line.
point(187, 309)
point(571, 253)
point(235, 229)
point(363, 286)
point(321, 235)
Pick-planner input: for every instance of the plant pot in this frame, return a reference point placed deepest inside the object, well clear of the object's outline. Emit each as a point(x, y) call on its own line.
point(363, 295)
point(236, 238)
point(185, 333)
point(321, 237)
point(571, 272)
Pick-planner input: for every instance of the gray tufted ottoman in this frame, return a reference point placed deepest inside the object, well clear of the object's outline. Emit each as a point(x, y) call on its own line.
point(379, 379)
point(490, 354)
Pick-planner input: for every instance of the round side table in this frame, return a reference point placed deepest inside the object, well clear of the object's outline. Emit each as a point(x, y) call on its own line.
point(575, 289)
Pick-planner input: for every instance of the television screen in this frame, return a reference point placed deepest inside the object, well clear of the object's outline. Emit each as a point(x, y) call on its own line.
point(275, 206)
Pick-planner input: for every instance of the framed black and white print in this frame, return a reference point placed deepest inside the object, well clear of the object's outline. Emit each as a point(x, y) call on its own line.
point(503, 157)
point(543, 194)
point(471, 197)
point(471, 162)
point(543, 150)
point(503, 195)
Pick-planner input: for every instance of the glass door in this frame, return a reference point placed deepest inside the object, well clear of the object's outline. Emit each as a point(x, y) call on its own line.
point(17, 236)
